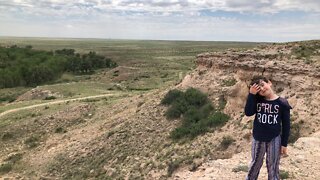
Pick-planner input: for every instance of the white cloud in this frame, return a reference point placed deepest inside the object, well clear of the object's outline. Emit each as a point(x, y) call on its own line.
point(75, 7)
point(155, 19)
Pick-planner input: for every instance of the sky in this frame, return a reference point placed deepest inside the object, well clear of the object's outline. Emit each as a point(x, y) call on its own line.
point(198, 20)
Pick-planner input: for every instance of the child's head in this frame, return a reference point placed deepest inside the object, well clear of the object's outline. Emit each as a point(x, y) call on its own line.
point(264, 83)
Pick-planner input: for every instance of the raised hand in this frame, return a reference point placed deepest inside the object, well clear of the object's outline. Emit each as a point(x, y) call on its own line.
point(254, 89)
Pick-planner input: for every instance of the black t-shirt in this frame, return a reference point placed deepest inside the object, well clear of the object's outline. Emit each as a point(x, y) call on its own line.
point(271, 118)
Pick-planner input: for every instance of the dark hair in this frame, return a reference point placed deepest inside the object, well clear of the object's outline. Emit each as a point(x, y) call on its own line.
point(256, 79)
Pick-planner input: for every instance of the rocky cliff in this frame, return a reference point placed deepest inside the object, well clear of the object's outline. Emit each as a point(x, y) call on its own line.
point(225, 76)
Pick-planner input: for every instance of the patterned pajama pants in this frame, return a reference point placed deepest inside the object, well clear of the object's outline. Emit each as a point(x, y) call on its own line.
point(258, 149)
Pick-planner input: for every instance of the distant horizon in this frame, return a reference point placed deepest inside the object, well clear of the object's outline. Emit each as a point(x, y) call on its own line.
point(178, 20)
point(186, 40)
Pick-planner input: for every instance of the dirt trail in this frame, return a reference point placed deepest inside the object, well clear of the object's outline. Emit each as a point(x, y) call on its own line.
point(56, 102)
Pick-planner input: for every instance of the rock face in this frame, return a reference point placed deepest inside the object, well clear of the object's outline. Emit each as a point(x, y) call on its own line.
point(226, 76)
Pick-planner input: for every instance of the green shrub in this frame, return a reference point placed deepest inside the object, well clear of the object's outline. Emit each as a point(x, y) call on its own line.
point(173, 112)
point(192, 116)
point(284, 174)
point(206, 109)
point(60, 130)
point(197, 112)
point(180, 132)
point(217, 119)
point(6, 136)
point(7, 98)
point(195, 97)
point(32, 141)
point(177, 108)
point(5, 168)
point(229, 82)
point(197, 129)
point(306, 51)
point(28, 67)
point(50, 98)
point(243, 168)
point(193, 124)
point(226, 142)
point(303, 52)
point(171, 96)
point(172, 166)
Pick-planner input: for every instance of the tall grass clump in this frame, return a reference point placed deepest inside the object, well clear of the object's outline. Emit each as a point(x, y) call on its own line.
point(284, 174)
point(198, 114)
point(226, 142)
point(5, 168)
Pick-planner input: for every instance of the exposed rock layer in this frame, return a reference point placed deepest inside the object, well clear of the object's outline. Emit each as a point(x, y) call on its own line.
point(227, 75)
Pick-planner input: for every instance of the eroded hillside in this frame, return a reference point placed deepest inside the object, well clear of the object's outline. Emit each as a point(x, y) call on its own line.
point(128, 137)
point(295, 75)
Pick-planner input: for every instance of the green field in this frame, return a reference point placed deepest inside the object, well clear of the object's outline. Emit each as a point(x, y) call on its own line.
point(143, 65)
point(114, 122)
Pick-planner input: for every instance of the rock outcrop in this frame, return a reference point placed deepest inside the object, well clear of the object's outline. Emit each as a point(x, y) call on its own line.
point(225, 77)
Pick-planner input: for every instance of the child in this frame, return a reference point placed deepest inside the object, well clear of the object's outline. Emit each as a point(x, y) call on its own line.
point(272, 116)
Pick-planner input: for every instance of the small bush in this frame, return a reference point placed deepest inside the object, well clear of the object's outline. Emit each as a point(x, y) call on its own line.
point(32, 141)
point(229, 82)
point(243, 168)
point(206, 109)
point(171, 96)
point(172, 166)
point(7, 136)
point(194, 124)
point(177, 108)
point(190, 131)
point(5, 168)
point(197, 112)
point(284, 174)
point(7, 98)
point(50, 98)
point(173, 112)
point(197, 129)
point(60, 130)
point(192, 116)
point(303, 52)
point(179, 133)
point(226, 142)
point(217, 119)
point(195, 97)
